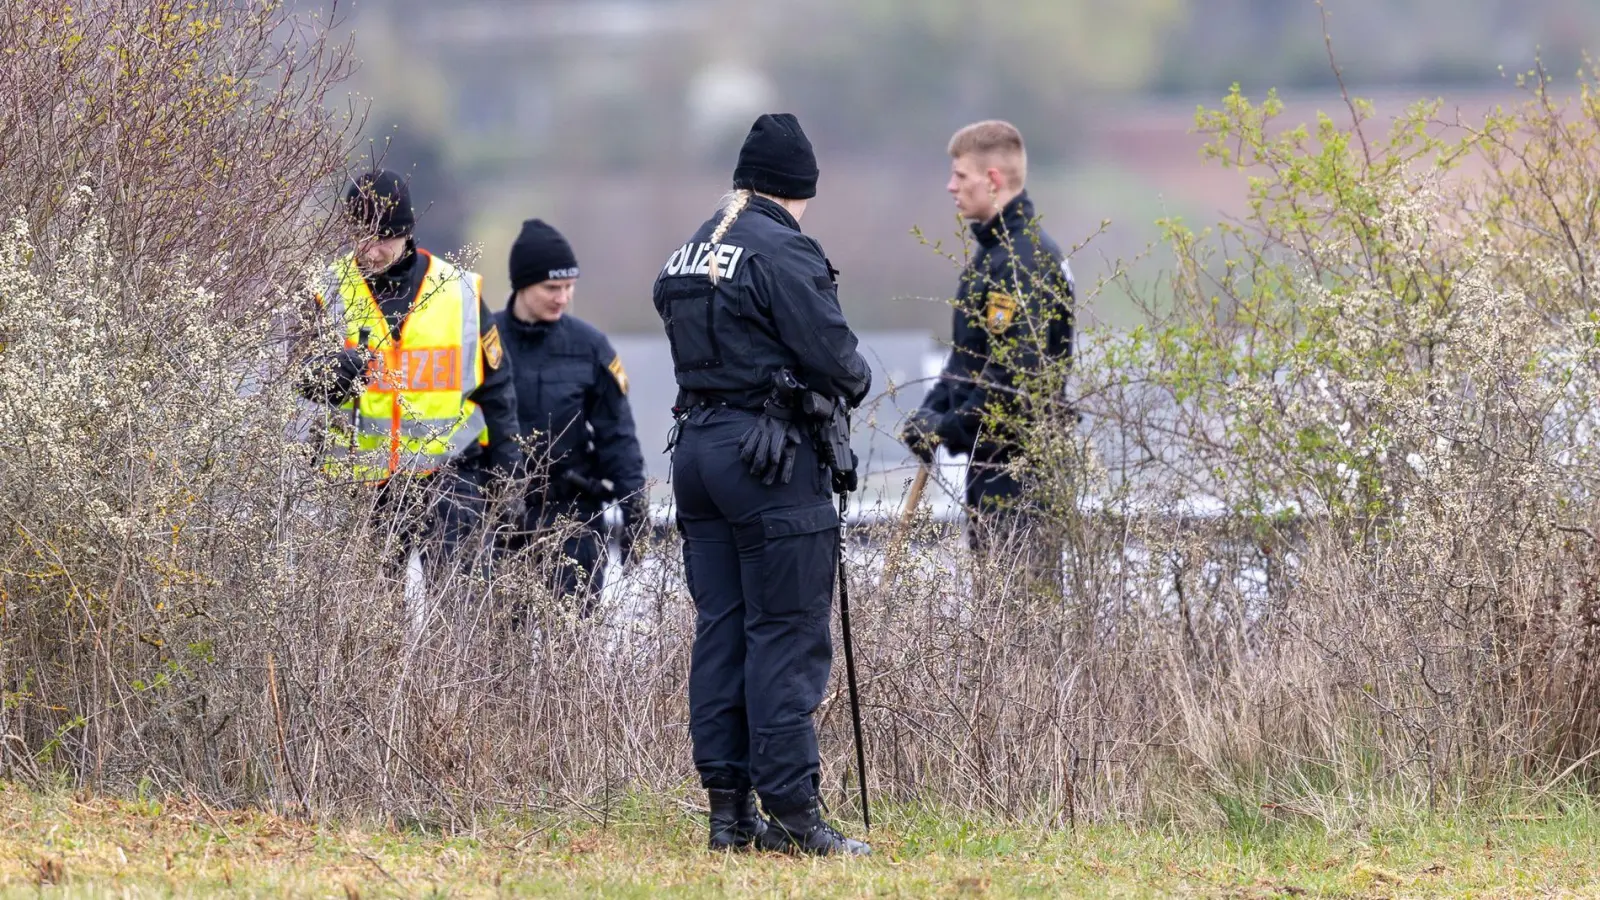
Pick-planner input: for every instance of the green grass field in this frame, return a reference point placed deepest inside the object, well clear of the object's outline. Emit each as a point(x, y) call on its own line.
point(62, 846)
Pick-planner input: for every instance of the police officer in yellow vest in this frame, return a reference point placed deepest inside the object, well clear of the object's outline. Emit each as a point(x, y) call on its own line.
point(423, 402)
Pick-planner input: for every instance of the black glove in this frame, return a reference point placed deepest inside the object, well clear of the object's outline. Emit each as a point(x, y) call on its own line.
point(505, 460)
point(958, 431)
point(769, 448)
point(335, 378)
point(635, 519)
point(920, 435)
point(599, 489)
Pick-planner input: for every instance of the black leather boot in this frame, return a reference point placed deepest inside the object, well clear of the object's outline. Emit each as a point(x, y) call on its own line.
point(804, 831)
point(735, 824)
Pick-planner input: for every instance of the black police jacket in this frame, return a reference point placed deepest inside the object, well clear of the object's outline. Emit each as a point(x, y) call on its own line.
point(572, 404)
point(1016, 292)
point(775, 306)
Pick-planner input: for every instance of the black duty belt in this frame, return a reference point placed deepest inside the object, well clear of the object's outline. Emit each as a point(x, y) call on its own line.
point(689, 400)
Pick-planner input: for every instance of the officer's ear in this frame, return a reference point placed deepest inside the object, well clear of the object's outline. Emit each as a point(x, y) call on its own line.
point(1003, 172)
point(996, 177)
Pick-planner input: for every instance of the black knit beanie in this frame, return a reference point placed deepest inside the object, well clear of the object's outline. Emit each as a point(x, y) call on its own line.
point(379, 203)
point(540, 253)
point(777, 159)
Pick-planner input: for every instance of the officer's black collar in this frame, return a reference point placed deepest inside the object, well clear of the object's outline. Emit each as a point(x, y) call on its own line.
point(538, 327)
point(1014, 219)
point(772, 209)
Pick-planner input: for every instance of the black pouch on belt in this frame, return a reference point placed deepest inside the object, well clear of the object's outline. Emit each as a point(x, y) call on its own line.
point(830, 427)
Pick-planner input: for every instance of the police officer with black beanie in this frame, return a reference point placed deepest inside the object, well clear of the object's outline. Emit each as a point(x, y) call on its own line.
point(572, 402)
point(428, 403)
point(750, 305)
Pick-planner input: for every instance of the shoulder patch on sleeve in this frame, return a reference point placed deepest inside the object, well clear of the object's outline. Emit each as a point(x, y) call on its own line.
point(999, 312)
point(615, 368)
point(493, 352)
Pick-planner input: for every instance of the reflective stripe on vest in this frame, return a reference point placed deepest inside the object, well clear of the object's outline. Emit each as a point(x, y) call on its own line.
point(414, 415)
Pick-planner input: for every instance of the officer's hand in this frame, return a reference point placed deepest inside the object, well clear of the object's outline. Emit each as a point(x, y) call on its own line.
point(515, 505)
point(957, 432)
point(769, 448)
point(919, 434)
point(625, 542)
point(506, 461)
point(353, 363)
point(335, 378)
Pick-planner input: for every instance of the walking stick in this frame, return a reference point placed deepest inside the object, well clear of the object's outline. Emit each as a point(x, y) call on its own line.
point(850, 666)
point(896, 545)
point(915, 495)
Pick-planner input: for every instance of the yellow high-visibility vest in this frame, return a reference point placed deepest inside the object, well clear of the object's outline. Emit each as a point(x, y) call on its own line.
point(414, 414)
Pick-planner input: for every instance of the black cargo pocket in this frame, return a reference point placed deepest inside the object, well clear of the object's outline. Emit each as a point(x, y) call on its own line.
point(690, 307)
point(797, 559)
point(827, 285)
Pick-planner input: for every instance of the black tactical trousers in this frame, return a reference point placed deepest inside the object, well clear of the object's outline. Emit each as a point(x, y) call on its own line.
point(760, 561)
point(440, 515)
point(1005, 530)
point(577, 566)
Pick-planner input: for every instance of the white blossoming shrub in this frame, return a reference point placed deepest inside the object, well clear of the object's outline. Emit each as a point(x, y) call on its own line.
point(150, 490)
point(160, 214)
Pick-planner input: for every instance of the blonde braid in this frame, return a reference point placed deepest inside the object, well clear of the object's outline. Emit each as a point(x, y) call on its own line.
point(736, 202)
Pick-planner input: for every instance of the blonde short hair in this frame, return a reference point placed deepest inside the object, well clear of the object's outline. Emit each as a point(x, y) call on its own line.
point(999, 141)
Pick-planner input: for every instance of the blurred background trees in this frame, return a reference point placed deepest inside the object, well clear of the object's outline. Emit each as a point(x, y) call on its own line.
point(619, 120)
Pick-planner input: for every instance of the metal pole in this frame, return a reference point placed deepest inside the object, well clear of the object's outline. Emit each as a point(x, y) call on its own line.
point(897, 540)
point(355, 402)
point(850, 666)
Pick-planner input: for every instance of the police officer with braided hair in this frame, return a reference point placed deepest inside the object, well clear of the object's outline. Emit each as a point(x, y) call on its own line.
point(572, 404)
point(759, 345)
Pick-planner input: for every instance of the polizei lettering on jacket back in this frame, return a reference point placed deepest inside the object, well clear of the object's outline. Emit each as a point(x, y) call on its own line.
point(695, 259)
